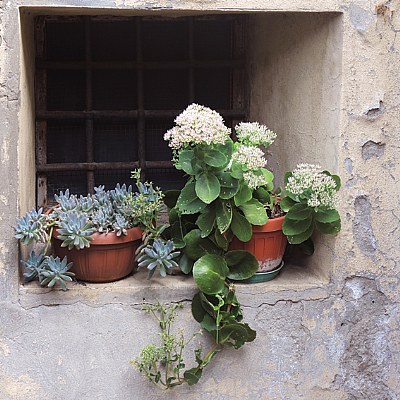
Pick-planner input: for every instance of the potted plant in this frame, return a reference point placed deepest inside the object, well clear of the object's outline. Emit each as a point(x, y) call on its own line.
point(98, 233)
point(229, 199)
point(201, 217)
point(308, 201)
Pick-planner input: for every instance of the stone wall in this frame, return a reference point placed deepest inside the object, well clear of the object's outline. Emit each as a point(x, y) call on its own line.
point(327, 330)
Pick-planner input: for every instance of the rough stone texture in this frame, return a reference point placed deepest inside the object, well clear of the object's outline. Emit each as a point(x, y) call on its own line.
point(328, 330)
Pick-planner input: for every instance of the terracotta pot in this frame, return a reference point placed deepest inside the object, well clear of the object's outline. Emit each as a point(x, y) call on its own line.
point(108, 258)
point(267, 244)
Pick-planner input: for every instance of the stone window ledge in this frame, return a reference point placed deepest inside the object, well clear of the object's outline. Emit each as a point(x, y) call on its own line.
point(293, 284)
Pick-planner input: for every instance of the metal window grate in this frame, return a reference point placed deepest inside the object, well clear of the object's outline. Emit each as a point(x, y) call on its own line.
point(108, 88)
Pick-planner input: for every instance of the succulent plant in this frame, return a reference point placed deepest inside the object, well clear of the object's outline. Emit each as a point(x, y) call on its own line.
point(77, 218)
point(56, 271)
point(32, 227)
point(85, 204)
point(75, 231)
point(120, 193)
point(33, 265)
point(158, 254)
point(120, 225)
point(66, 201)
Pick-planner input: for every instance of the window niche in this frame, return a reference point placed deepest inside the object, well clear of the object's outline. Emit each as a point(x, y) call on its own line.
point(284, 70)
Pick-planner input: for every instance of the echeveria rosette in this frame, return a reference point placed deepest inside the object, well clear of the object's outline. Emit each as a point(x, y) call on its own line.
point(158, 254)
point(32, 227)
point(33, 265)
point(75, 231)
point(56, 271)
point(311, 198)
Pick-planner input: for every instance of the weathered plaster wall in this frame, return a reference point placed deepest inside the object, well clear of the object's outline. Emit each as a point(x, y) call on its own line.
point(331, 337)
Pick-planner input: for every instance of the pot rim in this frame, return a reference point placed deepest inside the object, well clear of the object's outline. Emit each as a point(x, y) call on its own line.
point(132, 235)
point(272, 225)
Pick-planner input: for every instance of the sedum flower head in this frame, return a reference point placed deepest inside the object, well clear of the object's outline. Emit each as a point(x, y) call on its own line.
point(197, 125)
point(254, 134)
point(251, 157)
point(308, 181)
point(253, 181)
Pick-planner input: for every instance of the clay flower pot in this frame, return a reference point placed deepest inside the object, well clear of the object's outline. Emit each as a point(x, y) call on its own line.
point(267, 244)
point(109, 257)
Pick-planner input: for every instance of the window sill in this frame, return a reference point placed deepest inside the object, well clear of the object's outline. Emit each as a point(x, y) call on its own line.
point(293, 284)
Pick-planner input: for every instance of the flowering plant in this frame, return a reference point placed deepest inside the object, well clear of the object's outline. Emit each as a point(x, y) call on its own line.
point(310, 202)
point(229, 188)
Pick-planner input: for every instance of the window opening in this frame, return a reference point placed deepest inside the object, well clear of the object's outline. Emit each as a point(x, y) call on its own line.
point(108, 88)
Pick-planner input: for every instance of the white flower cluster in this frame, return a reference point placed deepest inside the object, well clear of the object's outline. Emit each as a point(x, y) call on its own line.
point(197, 125)
point(254, 181)
point(308, 180)
point(249, 156)
point(254, 134)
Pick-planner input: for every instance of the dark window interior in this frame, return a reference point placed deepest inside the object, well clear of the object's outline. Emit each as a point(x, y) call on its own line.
point(108, 88)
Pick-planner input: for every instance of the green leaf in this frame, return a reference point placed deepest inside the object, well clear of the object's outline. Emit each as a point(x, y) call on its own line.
point(188, 202)
point(192, 376)
point(243, 195)
point(307, 247)
point(337, 180)
point(221, 240)
point(208, 323)
point(236, 170)
point(226, 148)
point(215, 158)
point(241, 228)
point(173, 215)
point(170, 198)
point(286, 177)
point(229, 185)
point(292, 227)
point(185, 264)
point(326, 216)
point(185, 161)
point(300, 211)
point(196, 246)
point(223, 215)
point(207, 187)
point(177, 234)
point(268, 175)
point(262, 195)
point(238, 333)
point(286, 204)
point(254, 212)
point(206, 221)
point(301, 237)
point(331, 228)
point(241, 264)
point(209, 273)
point(198, 310)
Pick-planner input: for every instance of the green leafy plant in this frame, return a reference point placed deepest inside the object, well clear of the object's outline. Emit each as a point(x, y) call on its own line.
point(164, 364)
point(228, 191)
point(215, 204)
point(310, 203)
